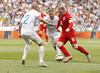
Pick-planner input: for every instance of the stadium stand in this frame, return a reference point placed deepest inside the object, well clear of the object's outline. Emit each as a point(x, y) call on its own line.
point(85, 13)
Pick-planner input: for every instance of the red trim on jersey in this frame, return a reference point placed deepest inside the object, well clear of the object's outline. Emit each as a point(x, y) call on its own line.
point(43, 15)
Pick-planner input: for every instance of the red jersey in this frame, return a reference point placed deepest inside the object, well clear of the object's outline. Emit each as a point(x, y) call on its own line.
point(43, 27)
point(64, 23)
point(43, 15)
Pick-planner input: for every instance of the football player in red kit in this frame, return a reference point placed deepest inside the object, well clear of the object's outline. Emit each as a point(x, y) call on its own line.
point(68, 34)
point(43, 27)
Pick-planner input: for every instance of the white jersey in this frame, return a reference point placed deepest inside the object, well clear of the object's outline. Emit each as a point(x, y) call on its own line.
point(51, 29)
point(28, 22)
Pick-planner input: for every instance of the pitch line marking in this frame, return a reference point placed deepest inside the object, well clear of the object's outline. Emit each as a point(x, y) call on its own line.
point(54, 62)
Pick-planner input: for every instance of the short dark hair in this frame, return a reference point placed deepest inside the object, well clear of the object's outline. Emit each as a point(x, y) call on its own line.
point(34, 6)
point(50, 10)
point(62, 8)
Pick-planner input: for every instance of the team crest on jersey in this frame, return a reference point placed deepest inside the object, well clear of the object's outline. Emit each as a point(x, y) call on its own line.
point(63, 18)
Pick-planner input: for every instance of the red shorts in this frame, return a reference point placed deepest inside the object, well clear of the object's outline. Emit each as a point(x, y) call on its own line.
point(43, 28)
point(65, 39)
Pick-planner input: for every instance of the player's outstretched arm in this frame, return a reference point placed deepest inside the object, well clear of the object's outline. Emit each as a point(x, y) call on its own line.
point(44, 21)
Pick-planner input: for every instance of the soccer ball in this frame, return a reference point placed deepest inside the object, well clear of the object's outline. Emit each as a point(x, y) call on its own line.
point(59, 57)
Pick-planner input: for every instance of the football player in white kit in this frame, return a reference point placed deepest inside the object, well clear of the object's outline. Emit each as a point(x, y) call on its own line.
point(51, 30)
point(26, 30)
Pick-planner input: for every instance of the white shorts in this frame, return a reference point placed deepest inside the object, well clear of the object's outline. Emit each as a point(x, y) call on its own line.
point(33, 37)
point(52, 37)
point(57, 35)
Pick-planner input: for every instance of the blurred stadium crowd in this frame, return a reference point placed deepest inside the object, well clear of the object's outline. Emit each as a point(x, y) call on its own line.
point(85, 13)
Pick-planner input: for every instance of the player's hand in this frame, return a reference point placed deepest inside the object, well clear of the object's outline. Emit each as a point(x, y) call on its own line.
point(44, 25)
point(36, 28)
point(67, 30)
point(53, 25)
point(20, 36)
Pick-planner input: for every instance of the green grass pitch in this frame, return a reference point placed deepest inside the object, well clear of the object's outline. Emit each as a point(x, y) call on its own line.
point(11, 51)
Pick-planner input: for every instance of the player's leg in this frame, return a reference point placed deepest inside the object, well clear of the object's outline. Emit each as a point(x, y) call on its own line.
point(26, 48)
point(79, 48)
point(55, 46)
point(38, 41)
point(41, 30)
point(60, 43)
point(65, 52)
point(56, 38)
point(46, 34)
point(58, 50)
point(59, 56)
point(52, 41)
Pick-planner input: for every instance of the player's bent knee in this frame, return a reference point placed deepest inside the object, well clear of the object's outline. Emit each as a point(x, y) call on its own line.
point(55, 42)
point(41, 44)
point(59, 44)
point(75, 46)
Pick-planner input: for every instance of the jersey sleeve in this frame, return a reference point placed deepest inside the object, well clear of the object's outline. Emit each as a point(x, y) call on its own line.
point(69, 19)
point(37, 14)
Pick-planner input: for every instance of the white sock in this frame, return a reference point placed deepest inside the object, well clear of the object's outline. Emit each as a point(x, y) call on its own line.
point(41, 54)
point(26, 49)
point(58, 50)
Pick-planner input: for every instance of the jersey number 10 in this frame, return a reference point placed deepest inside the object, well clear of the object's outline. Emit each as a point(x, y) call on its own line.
point(26, 18)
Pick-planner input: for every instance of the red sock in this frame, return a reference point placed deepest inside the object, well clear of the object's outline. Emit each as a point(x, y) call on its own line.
point(65, 52)
point(46, 38)
point(81, 49)
point(40, 35)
